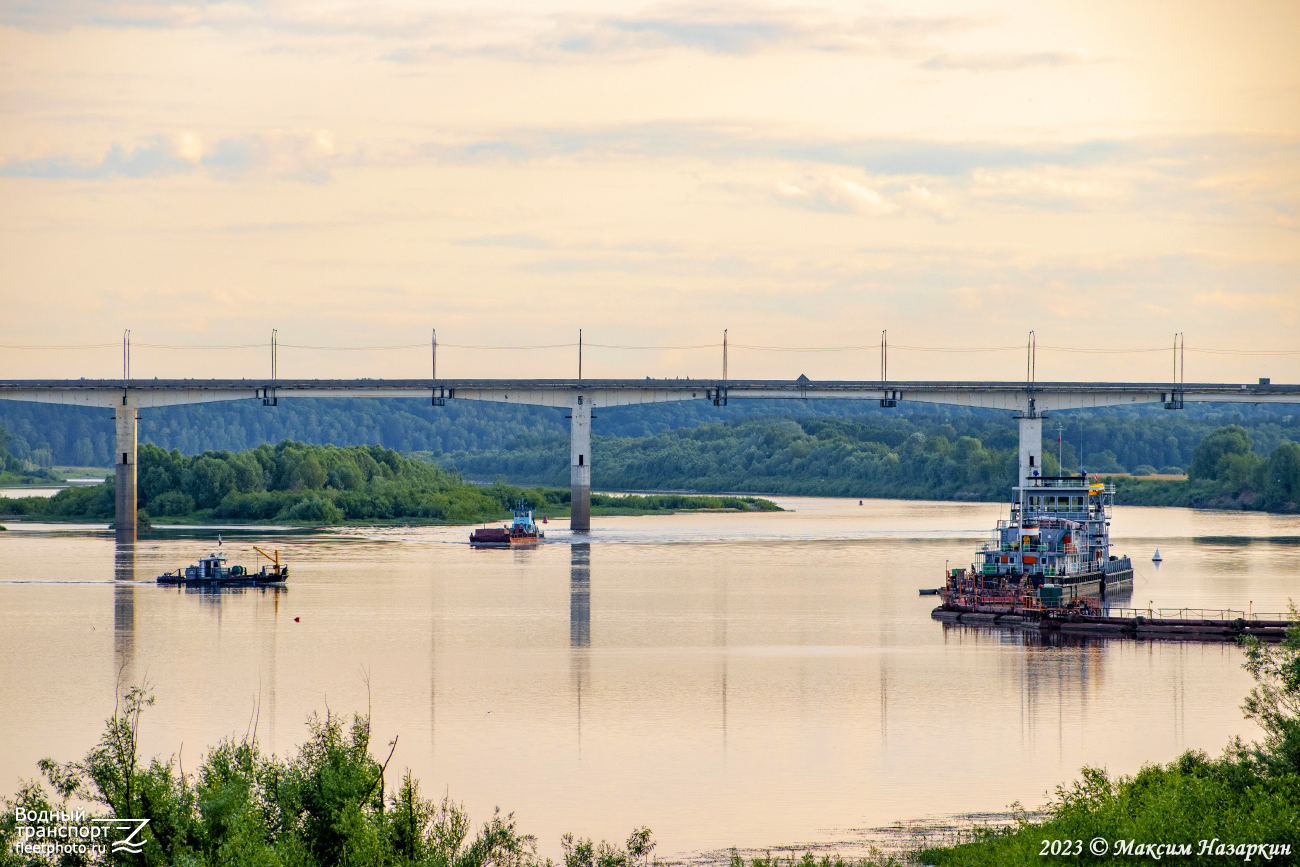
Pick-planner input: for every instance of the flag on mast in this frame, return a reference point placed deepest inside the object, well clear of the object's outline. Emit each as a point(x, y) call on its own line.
point(218, 540)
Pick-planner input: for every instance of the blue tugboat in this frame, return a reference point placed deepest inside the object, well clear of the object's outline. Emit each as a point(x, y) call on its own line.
point(521, 531)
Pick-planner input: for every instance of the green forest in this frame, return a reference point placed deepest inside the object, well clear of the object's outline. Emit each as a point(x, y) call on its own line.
point(1111, 440)
point(827, 457)
point(297, 483)
point(825, 448)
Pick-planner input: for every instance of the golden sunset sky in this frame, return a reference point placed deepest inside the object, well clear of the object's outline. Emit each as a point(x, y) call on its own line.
point(355, 174)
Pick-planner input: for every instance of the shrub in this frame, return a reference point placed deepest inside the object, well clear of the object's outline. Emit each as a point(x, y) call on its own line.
point(314, 510)
point(172, 503)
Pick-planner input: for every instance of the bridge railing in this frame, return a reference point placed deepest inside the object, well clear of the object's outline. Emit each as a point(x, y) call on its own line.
point(1199, 614)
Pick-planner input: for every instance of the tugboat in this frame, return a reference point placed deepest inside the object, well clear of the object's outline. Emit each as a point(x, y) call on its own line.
point(212, 571)
point(1055, 546)
point(521, 531)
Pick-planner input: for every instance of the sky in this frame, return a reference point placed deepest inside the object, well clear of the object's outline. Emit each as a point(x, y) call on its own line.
point(804, 176)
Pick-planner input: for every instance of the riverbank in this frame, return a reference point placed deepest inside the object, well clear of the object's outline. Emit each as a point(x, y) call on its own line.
point(605, 505)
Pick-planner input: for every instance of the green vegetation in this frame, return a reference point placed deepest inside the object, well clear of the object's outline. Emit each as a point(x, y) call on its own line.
point(49, 434)
point(1250, 795)
point(303, 484)
point(816, 458)
point(331, 804)
point(822, 449)
point(16, 471)
point(1226, 473)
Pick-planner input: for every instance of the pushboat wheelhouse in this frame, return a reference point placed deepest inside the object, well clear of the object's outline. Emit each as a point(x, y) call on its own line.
point(1056, 542)
point(1058, 534)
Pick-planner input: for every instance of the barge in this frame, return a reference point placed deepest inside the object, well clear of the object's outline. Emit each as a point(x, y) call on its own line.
point(212, 571)
point(1087, 617)
point(519, 532)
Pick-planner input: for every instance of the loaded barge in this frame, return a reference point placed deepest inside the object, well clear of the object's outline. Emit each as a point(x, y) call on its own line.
point(519, 532)
point(1086, 617)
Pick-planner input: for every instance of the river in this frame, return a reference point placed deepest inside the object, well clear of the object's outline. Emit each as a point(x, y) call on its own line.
point(752, 680)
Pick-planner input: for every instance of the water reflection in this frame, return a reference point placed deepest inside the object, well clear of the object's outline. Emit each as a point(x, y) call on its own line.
point(124, 610)
point(579, 624)
point(580, 595)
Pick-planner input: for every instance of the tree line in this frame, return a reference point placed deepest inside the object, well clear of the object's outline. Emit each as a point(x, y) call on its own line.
point(1111, 440)
point(298, 483)
point(1226, 472)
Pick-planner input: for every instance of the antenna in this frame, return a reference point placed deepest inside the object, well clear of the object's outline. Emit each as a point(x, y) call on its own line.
point(724, 356)
point(274, 371)
point(1032, 350)
point(126, 355)
point(1060, 448)
point(579, 355)
point(884, 356)
point(434, 398)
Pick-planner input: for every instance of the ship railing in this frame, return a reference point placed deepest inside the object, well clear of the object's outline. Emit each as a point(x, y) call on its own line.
point(1200, 614)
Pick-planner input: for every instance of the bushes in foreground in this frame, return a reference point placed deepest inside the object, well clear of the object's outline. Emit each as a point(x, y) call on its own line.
point(1248, 796)
point(331, 804)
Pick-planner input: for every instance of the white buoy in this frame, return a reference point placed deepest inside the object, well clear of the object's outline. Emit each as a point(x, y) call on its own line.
point(1156, 558)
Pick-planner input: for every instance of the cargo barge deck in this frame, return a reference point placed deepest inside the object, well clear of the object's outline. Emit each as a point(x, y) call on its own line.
point(1157, 624)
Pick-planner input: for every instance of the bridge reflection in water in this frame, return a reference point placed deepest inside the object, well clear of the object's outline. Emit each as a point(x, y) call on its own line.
point(580, 623)
point(124, 612)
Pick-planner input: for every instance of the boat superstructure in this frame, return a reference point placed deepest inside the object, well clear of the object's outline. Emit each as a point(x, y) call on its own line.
point(1058, 534)
point(212, 570)
point(1056, 542)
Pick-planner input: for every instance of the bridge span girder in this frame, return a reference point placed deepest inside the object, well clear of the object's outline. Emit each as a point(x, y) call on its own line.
point(1027, 400)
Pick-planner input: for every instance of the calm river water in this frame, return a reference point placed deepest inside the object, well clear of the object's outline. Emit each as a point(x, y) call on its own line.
point(757, 680)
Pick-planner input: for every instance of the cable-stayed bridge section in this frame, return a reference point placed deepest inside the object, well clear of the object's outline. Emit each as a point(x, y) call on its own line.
point(1027, 400)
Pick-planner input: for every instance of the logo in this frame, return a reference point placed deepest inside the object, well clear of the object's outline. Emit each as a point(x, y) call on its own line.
point(54, 833)
point(130, 844)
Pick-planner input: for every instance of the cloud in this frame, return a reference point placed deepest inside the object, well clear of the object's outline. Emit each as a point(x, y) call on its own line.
point(158, 156)
point(1005, 61)
point(835, 194)
point(732, 142)
point(304, 157)
point(732, 29)
point(515, 241)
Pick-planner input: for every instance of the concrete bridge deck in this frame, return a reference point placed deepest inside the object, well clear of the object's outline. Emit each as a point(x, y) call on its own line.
point(1028, 400)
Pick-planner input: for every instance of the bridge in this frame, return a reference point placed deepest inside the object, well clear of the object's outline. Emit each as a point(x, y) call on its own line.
point(1027, 400)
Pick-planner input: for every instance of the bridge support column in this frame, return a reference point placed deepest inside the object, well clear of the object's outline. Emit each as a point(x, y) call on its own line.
point(1031, 448)
point(124, 458)
point(580, 468)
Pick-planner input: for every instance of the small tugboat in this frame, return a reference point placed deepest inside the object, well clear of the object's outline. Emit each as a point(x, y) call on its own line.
point(521, 531)
point(212, 571)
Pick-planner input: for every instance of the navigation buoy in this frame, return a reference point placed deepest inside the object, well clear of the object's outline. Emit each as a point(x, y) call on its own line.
point(1156, 558)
